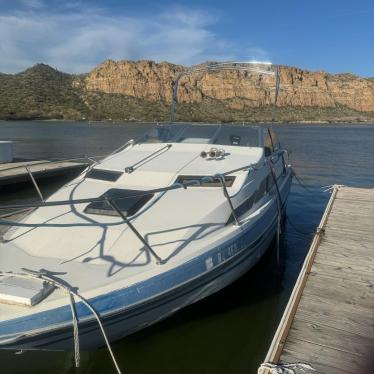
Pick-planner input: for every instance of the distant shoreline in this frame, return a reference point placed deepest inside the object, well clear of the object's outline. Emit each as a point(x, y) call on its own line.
point(336, 122)
point(46, 94)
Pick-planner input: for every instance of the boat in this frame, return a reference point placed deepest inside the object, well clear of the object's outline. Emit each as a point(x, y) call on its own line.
point(161, 223)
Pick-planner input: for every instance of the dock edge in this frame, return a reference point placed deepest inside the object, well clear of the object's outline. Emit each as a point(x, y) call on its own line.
point(276, 347)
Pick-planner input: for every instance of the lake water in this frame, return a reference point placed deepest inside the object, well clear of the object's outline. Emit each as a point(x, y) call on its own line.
point(230, 331)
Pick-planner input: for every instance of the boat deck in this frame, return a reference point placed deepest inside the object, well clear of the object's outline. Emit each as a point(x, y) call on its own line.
point(328, 323)
point(16, 172)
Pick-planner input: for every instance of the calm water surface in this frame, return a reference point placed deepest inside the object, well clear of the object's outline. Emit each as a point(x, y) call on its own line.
point(230, 331)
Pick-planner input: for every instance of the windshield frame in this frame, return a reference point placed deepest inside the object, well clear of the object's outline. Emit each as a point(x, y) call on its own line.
point(178, 133)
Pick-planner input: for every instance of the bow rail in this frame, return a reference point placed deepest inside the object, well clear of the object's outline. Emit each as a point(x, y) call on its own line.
point(88, 159)
point(112, 202)
point(127, 220)
point(173, 186)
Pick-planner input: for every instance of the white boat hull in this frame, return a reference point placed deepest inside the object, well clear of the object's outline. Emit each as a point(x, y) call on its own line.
point(128, 320)
point(147, 231)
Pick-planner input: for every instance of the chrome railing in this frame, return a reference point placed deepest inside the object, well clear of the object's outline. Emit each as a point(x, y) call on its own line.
point(56, 161)
point(177, 185)
point(34, 183)
point(174, 186)
point(84, 161)
point(113, 201)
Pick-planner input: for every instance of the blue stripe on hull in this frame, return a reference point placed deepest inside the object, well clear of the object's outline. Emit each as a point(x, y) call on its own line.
point(127, 310)
point(121, 324)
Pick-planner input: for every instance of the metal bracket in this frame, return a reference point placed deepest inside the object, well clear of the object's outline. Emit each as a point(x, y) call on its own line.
point(221, 178)
point(35, 184)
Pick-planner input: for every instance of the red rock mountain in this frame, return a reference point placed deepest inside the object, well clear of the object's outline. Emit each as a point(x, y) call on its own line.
point(299, 88)
point(142, 91)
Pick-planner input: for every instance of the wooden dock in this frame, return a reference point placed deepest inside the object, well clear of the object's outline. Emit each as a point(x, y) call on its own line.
point(328, 324)
point(16, 172)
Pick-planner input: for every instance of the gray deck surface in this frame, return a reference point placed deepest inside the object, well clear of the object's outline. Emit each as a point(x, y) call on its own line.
point(333, 327)
point(16, 172)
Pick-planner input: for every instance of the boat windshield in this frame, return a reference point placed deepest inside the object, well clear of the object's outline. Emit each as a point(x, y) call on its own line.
point(244, 136)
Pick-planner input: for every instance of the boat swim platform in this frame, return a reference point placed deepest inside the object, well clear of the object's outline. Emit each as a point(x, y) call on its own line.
point(328, 324)
point(16, 172)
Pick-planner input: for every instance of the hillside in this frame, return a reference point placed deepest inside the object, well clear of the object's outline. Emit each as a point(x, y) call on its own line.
point(128, 90)
point(39, 92)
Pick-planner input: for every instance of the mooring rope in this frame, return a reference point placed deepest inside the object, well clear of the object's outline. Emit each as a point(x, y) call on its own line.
point(331, 187)
point(76, 331)
point(308, 235)
point(301, 182)
point(295, 368)
point(279, 205)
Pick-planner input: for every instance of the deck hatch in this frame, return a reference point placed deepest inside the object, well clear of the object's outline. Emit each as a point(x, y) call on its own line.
point(128, 201)
point(216, 183)
point(23, 291)
point(104, 175)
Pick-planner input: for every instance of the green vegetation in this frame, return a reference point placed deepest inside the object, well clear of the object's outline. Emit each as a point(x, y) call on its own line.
point(213, 110)
point(42, 92)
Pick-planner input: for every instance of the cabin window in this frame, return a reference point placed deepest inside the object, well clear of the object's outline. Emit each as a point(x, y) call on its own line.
point(229, 180)
point(261, 191)
point(247, 204)
point(230, 135)
point(243, 136)
point(104, 175)
point(128, 201)
point(197, 134)
point(162, 134)
point(242, 208)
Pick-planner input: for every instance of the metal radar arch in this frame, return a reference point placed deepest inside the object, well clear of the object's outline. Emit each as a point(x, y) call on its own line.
point(253, 67)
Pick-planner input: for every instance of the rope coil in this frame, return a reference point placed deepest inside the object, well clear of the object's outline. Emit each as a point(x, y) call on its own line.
point(296, 368)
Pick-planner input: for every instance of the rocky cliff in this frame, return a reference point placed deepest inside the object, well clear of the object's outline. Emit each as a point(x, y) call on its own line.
point(299, 88)
point(142, 90)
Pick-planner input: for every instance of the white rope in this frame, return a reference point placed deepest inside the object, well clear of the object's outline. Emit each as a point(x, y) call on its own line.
point(102, 331)
point(43, 275)
point(76, 332)
point(296, 368)
point(331, 187)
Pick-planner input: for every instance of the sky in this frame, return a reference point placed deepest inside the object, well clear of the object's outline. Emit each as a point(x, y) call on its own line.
point(76, 35)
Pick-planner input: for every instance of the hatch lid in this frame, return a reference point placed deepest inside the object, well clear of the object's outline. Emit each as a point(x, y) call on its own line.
point(23, 291)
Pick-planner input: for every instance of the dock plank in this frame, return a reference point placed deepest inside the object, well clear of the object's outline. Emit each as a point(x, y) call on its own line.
point(14, 173)
point(348, 249)
point(341, 290)
point(324, 359)
point(330, 337)
point(359, 264)
point(343, 317)
point(329, 321)
point(341, 270)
